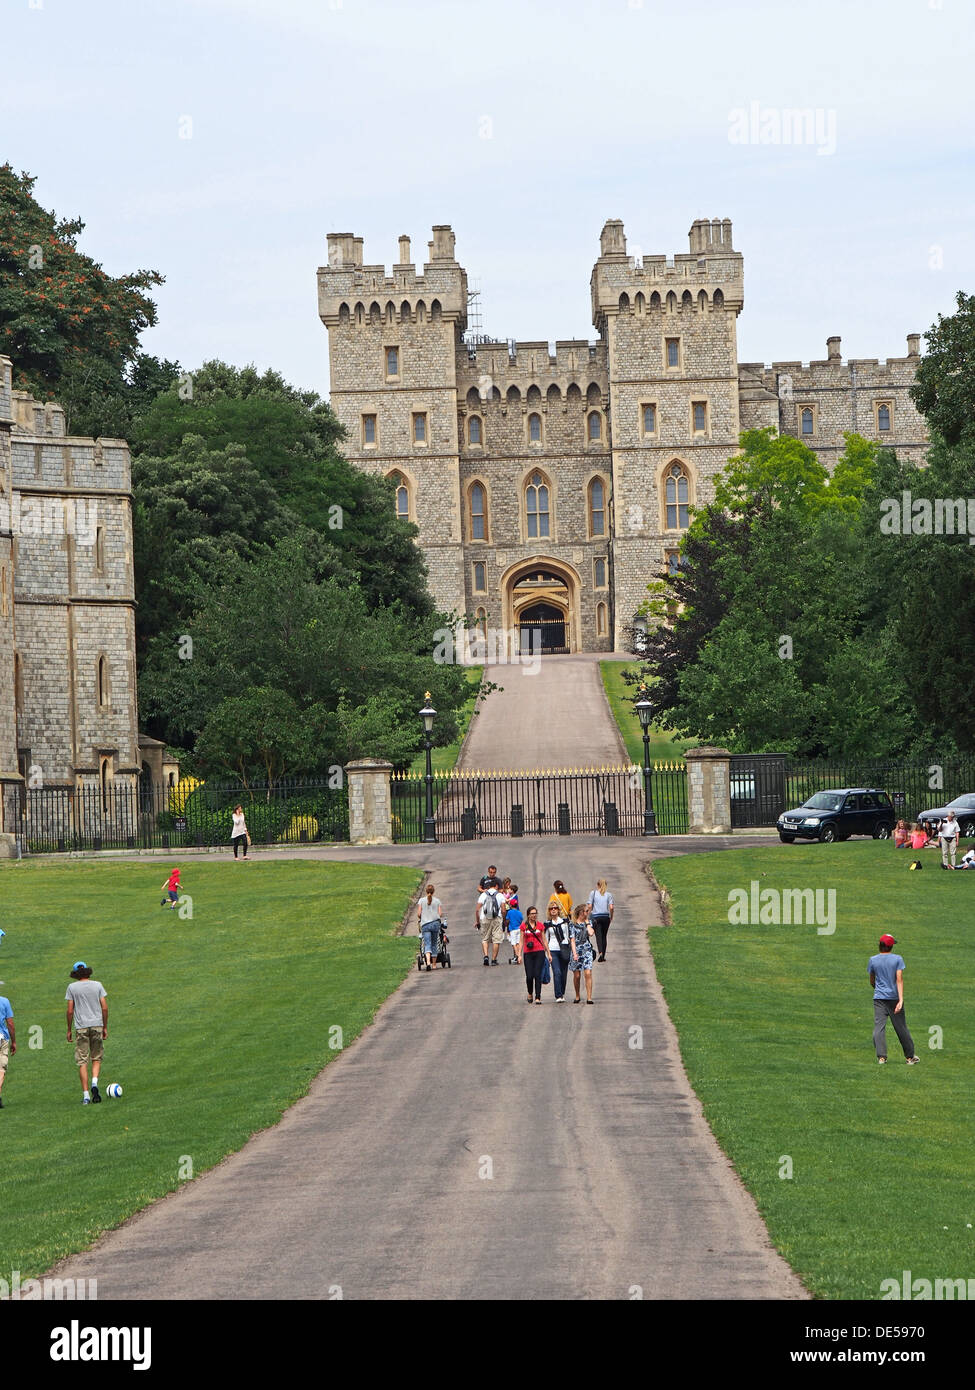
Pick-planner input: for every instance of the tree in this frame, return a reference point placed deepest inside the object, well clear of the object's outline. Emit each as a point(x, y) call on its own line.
point(258, 731)
point(63, 320)
point(944, 389)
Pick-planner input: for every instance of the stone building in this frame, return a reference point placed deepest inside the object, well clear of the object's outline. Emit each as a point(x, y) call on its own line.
point(67, 608)
point(549, 485)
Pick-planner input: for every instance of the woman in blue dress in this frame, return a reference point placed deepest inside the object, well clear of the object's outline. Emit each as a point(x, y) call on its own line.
point(581, 957)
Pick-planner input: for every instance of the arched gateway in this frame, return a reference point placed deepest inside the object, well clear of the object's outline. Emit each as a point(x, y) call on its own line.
point(541, 600)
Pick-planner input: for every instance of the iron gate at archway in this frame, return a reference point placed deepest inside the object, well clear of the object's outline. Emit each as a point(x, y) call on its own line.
point(757, 786)
point(581, 801)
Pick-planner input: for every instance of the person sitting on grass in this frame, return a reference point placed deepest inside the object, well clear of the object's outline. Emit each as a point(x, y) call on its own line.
point(919, 836)
point(968, 860)
point(902, 835)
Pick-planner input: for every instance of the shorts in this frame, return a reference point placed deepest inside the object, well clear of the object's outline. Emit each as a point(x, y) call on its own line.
point(4, 1053)
point(492, 930)
point(515, 936)
point(173, 894)
point(88, 1044)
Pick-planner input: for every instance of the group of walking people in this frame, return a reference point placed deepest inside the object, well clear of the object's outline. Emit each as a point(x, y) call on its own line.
point(567, 940)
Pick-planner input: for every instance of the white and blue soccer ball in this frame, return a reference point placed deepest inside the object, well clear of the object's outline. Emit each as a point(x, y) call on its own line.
point(114, 1091)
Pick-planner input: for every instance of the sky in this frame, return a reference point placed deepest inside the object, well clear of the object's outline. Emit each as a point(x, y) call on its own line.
point(219, 141)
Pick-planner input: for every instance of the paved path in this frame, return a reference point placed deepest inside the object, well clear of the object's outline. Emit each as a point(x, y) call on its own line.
point(553, 715)
point(605, 1176)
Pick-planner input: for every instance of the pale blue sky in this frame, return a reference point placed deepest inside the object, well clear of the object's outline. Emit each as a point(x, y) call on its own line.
point(310, 116)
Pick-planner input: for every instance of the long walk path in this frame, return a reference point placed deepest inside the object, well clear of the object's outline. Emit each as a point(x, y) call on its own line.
point(469, 1145)
point(549, 715)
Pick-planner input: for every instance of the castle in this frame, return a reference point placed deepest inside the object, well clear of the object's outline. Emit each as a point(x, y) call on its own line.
point(549, 487)
point(67, 610)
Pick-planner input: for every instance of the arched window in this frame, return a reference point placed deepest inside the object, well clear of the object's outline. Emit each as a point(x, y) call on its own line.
point(100, 549)
point(478, 515)
point(537, 506)
point(18, 683)
point(104, 681)
point(595, 426)
point(105, 778)
point(883, 417)
point(807, 420)
point(534, 429)
point(600, 620)
point(474, 430)
point(402, 496)
point(676, 498)
point(3, 592)
point(597, 508)
point(481, 621)
point(480, 577)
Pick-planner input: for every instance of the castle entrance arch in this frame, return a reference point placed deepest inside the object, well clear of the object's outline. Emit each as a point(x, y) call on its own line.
point(541, 601)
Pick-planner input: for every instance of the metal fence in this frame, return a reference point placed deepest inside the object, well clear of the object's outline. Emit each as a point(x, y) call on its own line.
point(582, 801)
point(142, 816)
point(909, 784)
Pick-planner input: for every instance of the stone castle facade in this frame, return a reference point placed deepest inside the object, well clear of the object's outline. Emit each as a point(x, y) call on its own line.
point(550, 486)
point(68, 715)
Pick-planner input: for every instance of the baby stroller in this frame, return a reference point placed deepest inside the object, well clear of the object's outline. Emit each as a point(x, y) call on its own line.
point(443, 955)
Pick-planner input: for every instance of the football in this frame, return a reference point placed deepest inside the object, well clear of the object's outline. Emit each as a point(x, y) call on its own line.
point(114, 1091)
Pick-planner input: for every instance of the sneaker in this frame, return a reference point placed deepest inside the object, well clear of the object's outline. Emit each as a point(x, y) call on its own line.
point(486, 961)
point(913, 1061)
point(86, 1100)
point(495, 961)
point(95, 1095)
point(881, 1061)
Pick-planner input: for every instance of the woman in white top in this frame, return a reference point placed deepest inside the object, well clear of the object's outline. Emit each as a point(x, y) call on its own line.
point(239, 837)
point(601, 909)
point(429, 912)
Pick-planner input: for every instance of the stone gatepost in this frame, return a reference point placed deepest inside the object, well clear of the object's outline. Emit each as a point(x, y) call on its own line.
point(708, 791)
point(370, 802)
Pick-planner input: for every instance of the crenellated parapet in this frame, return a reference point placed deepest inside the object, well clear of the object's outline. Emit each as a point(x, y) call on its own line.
point(350, 293)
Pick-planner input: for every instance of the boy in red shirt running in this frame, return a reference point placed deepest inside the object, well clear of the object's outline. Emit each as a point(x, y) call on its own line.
point(172, 888)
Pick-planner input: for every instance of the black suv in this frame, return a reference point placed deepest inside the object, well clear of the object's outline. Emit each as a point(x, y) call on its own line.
point(964, 809)
point(836, 815)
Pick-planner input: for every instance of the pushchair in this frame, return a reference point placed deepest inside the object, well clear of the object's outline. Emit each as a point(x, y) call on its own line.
point(443, 955)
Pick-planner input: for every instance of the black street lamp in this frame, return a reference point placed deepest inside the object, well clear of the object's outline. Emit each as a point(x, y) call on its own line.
point(427, 714)
point(645, 710)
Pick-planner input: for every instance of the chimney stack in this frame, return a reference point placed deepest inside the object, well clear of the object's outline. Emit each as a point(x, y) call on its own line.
point(404, 250)
point(914, 345)
point(833, 349)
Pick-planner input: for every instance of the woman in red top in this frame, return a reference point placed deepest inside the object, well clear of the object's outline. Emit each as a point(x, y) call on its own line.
point(534, 952)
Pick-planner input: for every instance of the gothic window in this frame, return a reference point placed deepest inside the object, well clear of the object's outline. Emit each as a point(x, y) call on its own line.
point(481, 623)
point(883, 417)
point(480, 577)
point(599, 574)
point(649, 419)
point(600, 620)
point(369, 433)
point(597, 508)
point(537, 507)
point(595, 426)
point(99, 549)
point(402, 496)
point(676, 498)
point(478, 515)
point(807, 420)
point(474, 430)
point(18, 683)
point(420, 428)
point(700, 413)
point(392, 363)
point(535, 429)
point(675, 562)
point(673, 352)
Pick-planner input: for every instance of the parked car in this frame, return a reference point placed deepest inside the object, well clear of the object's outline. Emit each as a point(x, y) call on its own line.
point(836, 815)
point(964, 809)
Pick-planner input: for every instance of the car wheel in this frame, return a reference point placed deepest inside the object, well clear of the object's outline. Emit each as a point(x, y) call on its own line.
point(881, 830)
point(787, 839)
point(828, 834)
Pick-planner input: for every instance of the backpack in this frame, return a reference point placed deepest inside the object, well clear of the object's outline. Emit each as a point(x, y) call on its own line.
point(490, 909)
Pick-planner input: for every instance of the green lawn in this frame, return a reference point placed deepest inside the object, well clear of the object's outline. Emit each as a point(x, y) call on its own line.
point(445, 759)
point(775, 1028)
point(664, 747)
point(216, 1025)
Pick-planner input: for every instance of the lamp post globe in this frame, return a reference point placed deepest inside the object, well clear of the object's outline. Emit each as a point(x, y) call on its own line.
point(644, 711)
point(428, 714)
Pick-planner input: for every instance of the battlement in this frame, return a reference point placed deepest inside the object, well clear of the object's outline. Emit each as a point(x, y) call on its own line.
point(710, 276)
point(828, 370)
point(347, 286)
point(531, 370)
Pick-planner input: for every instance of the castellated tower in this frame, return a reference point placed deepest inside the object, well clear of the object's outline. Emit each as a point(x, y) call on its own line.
point(393, 342)
point(68, 713)
point(670, 334)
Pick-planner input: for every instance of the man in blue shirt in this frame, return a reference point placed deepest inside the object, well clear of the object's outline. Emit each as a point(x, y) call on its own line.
point(8, 1039)
point(887, 980)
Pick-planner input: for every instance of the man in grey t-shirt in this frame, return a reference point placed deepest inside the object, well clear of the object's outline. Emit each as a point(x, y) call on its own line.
point(88, 1014)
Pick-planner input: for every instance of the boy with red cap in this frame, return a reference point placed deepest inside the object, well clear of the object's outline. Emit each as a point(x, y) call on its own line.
point(887, 981)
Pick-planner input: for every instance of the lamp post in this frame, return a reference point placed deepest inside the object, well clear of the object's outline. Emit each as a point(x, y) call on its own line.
point(427, 714)
point(645, 711)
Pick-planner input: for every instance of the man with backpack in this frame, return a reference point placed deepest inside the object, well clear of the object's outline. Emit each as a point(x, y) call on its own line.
point(489, 917)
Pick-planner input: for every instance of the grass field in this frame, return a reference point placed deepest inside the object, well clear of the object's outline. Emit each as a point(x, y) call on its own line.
point(664, 747)
point(216, 1024)
point(775, 1027)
